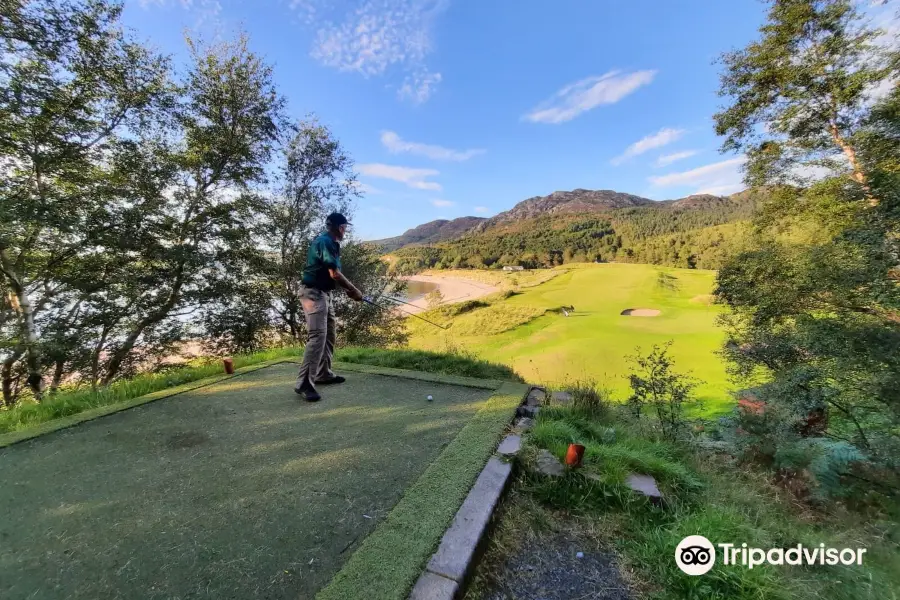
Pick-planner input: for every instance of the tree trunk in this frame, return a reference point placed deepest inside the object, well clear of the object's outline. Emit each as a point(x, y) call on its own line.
point(95, 357)
point(9, 396)
point(850, 152)
point(21, 304)
point(119, 356)
point(58, 370)
point(32, 356)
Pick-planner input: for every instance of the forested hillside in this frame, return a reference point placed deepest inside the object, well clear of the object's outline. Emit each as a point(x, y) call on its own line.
point(429, 233)
point(695, 232)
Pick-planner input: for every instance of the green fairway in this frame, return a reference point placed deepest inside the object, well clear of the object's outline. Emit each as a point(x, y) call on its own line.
point(238, 489)
point(594, 342)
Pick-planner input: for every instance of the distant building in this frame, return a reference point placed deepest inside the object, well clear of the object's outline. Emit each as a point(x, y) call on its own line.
point(514, 268)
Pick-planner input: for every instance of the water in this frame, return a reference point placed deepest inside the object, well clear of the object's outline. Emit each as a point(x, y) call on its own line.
point(417, 289)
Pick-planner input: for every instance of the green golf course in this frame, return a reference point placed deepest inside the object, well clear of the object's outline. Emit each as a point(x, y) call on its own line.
point(529, 333)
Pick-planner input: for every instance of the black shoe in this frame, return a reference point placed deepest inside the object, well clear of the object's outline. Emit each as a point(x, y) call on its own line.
point(332, 381)
point(308, 392)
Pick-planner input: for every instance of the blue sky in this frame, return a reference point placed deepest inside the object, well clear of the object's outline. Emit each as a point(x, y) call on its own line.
point(453, 108)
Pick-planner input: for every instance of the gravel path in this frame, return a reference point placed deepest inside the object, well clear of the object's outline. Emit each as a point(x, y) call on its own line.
point(549, 569)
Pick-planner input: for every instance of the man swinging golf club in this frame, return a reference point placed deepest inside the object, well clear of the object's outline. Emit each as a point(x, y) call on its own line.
point(320, 278)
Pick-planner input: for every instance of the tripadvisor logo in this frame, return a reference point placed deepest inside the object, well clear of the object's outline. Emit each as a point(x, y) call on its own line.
point(696, 555)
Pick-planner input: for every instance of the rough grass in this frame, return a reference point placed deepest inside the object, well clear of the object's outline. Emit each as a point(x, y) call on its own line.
point(393, 556)
point(706, 495)
point(77, 400)
point(460, 364)
point(525, 333)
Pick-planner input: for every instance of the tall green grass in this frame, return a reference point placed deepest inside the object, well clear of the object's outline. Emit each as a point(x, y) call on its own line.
point(710, 496)
point(454, 363)
point(79, 399)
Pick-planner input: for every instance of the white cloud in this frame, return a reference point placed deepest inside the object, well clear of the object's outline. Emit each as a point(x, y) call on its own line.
point(720, 176)
point(375, 36)
point(414, 178)
point(722, 190)
point(366, 189)
point(668, 159)
point(881, 90)
point(204, 11)
point(588, 93)
point(396, 145)
point(661, 138)
point(419, 87)
point(482, 209)
point(442, 203)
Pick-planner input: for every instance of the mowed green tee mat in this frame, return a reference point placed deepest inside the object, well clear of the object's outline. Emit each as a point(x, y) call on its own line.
point(233, 490)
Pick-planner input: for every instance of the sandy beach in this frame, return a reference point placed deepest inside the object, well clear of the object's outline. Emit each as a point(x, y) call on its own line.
point(453, 289)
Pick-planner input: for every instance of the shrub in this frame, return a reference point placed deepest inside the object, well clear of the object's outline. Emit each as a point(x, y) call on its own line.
point(463, 307)
point(434, 298)
point(654, 383)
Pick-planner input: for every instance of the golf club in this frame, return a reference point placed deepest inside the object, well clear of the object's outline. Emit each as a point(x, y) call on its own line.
point(401, 301)
point(373, 303)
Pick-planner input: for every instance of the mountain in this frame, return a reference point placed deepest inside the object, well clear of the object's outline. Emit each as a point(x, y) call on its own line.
point(431, 233)
point(557, 204)
point(576, 201)
point(698, 231)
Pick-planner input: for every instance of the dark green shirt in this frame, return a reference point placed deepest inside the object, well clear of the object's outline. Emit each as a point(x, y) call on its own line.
point(324, 254)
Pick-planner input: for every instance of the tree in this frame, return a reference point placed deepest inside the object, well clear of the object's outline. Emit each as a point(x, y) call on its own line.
point(815, 302)
point(243, 323)
point(316, 178)
point(136, 207)
point(72, 81)
point(801, 94)
point(186, 202)
point(434, 298)
point(363, 324)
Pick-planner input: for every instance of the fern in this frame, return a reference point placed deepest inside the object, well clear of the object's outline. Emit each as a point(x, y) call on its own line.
point(832, 459)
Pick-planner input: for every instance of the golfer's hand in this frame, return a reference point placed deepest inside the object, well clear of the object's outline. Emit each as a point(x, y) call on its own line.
point(355, 294)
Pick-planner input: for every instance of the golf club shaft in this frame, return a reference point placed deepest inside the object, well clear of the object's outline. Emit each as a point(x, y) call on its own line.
point(408, 313)
point(401, 301)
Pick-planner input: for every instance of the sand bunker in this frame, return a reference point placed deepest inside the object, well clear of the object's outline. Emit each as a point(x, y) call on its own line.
point(703, 299)
point(640, 312)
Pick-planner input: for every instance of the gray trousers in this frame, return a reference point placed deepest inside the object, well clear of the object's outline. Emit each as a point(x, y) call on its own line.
point(322, 329)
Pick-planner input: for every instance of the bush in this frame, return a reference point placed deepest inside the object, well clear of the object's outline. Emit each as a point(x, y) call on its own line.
point(434, 299)
point(654, 383)
point(463, 307)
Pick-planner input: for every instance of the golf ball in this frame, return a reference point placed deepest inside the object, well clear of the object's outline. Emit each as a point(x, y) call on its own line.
point(430, 397)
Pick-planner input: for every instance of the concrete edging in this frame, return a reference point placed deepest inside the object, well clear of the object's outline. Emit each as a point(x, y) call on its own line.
point(444, 577)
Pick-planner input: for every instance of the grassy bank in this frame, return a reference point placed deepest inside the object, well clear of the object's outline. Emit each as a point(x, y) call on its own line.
point(73, 401)
point(529, 333)
point(706, 495)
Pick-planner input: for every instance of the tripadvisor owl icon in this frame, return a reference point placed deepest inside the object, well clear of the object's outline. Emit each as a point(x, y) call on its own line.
point(695, 555)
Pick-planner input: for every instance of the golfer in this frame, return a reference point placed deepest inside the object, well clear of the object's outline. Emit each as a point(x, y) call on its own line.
point(320, 277)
